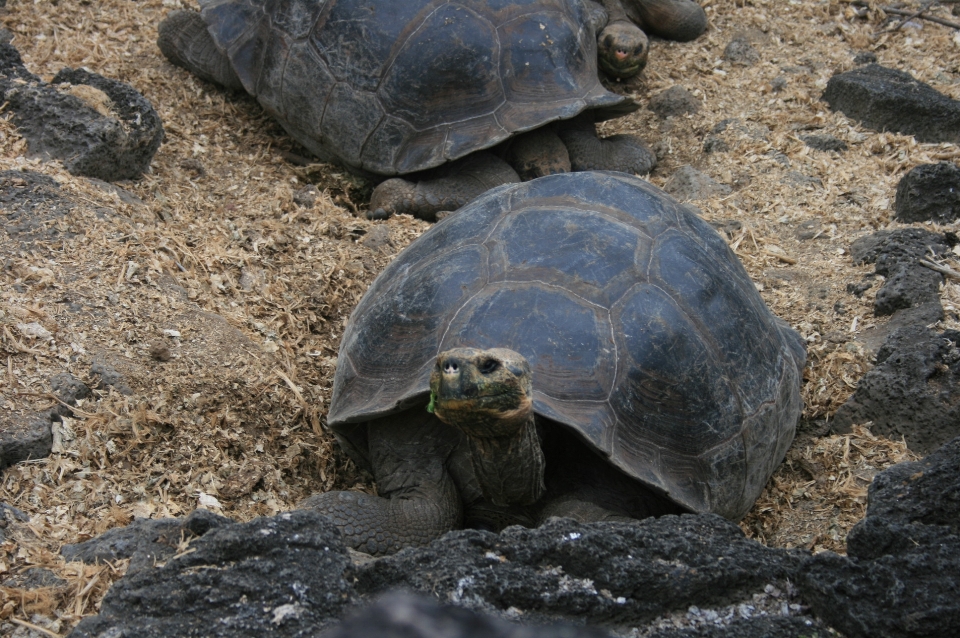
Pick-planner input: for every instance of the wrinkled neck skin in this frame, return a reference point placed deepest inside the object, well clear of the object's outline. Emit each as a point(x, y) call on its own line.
point(509, 467)
point(494, 410)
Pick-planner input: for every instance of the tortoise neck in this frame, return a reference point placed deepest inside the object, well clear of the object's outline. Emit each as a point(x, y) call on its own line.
point(510, 468)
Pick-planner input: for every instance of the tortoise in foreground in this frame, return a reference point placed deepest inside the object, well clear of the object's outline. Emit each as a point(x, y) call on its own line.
point(588, 348)
point(397, 88)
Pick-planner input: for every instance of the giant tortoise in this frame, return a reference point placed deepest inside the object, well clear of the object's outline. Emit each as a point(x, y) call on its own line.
point(622, 44)
point(393, 88)
point(576, 345)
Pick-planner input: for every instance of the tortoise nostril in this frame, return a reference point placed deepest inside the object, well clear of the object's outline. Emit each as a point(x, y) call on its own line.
point(450, 367)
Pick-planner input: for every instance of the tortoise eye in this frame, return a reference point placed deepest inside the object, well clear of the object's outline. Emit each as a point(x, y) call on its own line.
point(489, 365)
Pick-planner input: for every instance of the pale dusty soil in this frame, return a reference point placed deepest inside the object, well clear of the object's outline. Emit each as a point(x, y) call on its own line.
point(235, 417)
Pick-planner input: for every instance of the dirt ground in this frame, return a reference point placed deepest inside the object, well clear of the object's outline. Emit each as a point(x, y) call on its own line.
point(220, 300)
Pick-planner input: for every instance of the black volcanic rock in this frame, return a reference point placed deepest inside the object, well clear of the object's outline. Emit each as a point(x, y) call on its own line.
point(896, 255)
point(278, 576)
point(929, 192)
point(890, 100)
point(601, 572)
point(913, 391)
point(57, 124)
point(902, 575)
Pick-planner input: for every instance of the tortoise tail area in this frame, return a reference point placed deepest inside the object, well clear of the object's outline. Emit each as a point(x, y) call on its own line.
point(183, 39)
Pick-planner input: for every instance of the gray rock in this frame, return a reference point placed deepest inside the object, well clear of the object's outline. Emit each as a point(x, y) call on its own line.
point(11, 65)
point(674, 101)
point(926, 491)
point(824, 143)
point(24, 436)
point(10, 515)
point(377, 238)
point(740, 51)
point(35, 578)
point(31, 202)
point(687, 183)
point(811, 229)
point(306, 197)
point(796, 178)
point(286, 575)
point(144, 541)
point(913, 391)
point(929, 192)
point(713, 144)
point(923, 315)
point(889, 100)
point(902, 575)
point(69, 390)
point(109, 378)
point(896, 255)
point(404, 615)
point(60, 125)
point(864, 57)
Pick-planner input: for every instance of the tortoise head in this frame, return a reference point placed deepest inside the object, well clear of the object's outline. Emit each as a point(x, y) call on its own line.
point(622, 49)
point(484, 393)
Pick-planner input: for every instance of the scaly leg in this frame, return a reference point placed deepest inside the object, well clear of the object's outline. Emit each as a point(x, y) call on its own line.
point(418, 499)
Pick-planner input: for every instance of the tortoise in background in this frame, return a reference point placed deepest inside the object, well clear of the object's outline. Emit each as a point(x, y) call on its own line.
point(588, 348)
point(397, 88)
point(622, 44)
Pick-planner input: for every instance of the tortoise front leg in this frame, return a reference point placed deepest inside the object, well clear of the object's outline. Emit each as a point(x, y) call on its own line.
point(418, 499)
point(461, 182)
point(623, 153)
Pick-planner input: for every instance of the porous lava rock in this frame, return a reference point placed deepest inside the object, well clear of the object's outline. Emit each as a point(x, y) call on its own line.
point(896, 255)
point(890, 100)
point(599, 573)
point(901, 577)
point(929, 192)
point(144, 541)
point(824, 143)
point(673, 102)
point(911, 392)
point(31, 203)
point(97, 126)
point(291, 575)
point(24, 436)
point(279, 576)
point(69, 390)
point(740, 51)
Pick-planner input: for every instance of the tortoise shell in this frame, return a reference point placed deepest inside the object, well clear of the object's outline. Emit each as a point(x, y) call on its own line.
point(395, 87)
point(644, 332)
